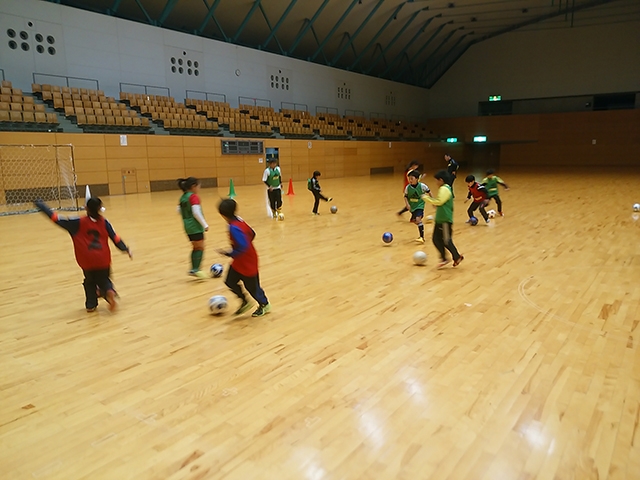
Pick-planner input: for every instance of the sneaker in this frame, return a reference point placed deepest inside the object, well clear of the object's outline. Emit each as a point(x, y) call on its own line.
point(198, 274)
point(262, 310)
point(314, 213)
point(420, 240)
point(443, 263)
point(457, 262)
point(90, 310)
point(243, 308)
point(329, 199)
point(111, 300)
point(468, 221)
point(488, 220)
point(501, 214)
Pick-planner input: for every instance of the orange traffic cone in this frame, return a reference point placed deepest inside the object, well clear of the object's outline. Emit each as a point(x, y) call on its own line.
point(290, 192)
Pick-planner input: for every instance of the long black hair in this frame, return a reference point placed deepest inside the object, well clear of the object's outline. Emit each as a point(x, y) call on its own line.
point(227, 208)
point(188, 183)
point(94, 204)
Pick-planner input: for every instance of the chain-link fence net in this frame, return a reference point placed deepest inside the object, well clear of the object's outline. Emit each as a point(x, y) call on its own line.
point(30, 172)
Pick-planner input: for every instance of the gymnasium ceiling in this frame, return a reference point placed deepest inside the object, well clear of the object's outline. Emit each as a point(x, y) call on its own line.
point(412, 41)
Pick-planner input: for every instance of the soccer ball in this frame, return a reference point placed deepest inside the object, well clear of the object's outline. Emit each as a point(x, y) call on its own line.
point(218, 305)
point(281, 216)
point(216, 270)
point(387, 237)
point(473, 221)
point(491, 213)
point(429, 218)
point(334, 209)
point(419, 258)
point(636, 207)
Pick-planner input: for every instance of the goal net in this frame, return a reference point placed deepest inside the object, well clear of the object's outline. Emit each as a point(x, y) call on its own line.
point(31, 172)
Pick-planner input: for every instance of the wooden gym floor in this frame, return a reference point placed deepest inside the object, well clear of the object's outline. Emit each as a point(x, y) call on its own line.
point(521, 363)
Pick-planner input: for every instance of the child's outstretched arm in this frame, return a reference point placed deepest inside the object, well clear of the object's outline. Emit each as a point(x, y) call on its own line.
point(444, 194)
point(115, 238)
point(240, 241)
point(70, 225)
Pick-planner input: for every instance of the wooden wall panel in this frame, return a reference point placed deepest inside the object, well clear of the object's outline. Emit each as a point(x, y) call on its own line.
point(549, 140)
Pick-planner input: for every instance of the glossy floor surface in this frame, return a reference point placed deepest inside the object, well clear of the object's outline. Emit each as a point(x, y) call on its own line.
point(521, 363)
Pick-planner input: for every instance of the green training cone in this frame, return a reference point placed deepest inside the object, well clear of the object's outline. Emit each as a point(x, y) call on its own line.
point(232, 190)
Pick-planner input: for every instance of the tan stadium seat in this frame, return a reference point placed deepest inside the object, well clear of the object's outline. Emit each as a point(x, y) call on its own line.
point(4, 116)
point(28, 117)
point(15, 116)
point(41, 117)
point(51, 118)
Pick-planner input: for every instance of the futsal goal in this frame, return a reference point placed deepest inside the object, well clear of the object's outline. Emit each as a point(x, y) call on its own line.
point(31, 172)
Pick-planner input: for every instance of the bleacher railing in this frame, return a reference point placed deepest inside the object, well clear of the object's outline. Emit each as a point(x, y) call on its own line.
point(3, 79)
point(215, 97)
point(147, 89)
point(256, 102)
point(69, 81)
point(353, 113)
point(321, 109)
point(294, 106)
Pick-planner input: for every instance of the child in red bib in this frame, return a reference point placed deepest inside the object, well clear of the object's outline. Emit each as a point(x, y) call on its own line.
point(89, 235)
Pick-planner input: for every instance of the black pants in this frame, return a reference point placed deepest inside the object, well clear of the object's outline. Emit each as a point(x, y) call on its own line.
point(252, 284)
point(93, 279)
point(317, 195)
point(498, 202)
point(442, 238)
point(474, 206)
point(452, 178)
point(275, 198)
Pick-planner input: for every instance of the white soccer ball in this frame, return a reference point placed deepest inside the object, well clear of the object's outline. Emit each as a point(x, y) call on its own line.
point(216, 270)
point(218, 305)
point(491, 213)
point(636, 207)
point(419, 258)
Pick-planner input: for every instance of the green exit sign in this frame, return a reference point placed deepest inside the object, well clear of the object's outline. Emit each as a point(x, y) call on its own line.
point(495, 98)
point(452, 140)
point(480, 139)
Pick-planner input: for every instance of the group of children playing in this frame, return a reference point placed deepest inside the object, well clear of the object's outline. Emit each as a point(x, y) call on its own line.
point(417, 193)
point(90, 234)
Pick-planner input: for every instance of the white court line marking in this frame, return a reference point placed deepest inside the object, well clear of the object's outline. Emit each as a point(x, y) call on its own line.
point(547, 313)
